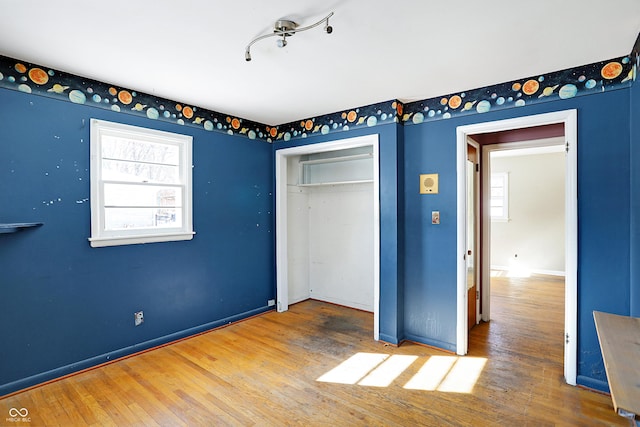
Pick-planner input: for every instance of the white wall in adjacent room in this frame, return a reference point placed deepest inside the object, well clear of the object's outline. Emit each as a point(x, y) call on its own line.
point(533, 237)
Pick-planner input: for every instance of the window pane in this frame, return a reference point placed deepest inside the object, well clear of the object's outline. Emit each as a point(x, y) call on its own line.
point(499, 196)
point(142, 195)
point(113, 170)
point(497, 212)
point(139, 151)
point(136, 218)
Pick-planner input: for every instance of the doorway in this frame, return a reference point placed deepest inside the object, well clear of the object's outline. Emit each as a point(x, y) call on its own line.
point(569, 121)
point(283, 172)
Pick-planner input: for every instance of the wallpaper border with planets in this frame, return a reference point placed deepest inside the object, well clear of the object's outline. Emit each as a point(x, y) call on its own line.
point(39, 80)
point(583, 80)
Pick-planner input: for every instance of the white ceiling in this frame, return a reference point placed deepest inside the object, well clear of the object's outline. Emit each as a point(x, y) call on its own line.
point(192, 51)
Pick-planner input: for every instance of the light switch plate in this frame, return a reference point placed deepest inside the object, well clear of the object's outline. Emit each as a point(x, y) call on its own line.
point(429, 183)
point(435, 217)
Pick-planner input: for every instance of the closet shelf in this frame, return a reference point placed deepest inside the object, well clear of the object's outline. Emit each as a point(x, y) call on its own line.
point(17, 226)
point(319, 184)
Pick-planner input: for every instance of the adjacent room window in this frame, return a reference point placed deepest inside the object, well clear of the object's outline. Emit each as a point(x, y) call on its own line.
point(500, 196)
point(140, 185)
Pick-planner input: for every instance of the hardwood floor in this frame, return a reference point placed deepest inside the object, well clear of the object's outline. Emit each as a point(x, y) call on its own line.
point(317, 364)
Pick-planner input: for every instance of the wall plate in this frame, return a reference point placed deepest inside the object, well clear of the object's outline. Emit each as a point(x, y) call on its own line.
point(429, 183)
point(435, 217)
point(138, 318)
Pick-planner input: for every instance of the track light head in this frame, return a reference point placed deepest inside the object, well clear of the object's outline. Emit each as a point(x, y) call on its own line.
point(328, 28)
point(287, 28)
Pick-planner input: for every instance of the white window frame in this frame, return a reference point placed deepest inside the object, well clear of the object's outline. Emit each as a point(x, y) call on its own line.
point(505, 197)
point(101, 237)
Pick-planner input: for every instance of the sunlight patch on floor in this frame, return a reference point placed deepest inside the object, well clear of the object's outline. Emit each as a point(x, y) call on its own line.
point(515, 270)
point(388, 371)
point(451, 374)
point(354, 368)
point(432, 373)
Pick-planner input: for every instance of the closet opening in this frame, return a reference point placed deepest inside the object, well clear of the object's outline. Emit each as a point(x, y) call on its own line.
point(328, 224)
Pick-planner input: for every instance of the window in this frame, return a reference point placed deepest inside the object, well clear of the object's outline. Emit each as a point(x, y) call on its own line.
point(140, 185)
point(500, 196)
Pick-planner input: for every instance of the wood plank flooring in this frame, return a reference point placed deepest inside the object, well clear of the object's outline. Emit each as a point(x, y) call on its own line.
point(265, 371)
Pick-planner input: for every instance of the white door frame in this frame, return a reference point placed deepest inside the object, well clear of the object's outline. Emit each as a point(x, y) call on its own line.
point(569, 119)
point(282, 279)
point(477, 250)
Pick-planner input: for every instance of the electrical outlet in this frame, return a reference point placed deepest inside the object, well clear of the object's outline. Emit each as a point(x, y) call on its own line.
point(271, 302)
point(138, 318)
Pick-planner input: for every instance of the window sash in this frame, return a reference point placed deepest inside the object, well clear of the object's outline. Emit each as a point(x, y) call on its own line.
point(141, 195)
point(499, 199)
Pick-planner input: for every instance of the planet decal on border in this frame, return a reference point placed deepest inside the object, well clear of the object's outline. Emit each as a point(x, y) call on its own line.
point(38, 76)
point(125, 97)
point(611, 70)
point(568, 91)
point(153, 114)
point(483, 106)
point(77, 97)
point(530, 87)
point(455, 101)
point(308, 125)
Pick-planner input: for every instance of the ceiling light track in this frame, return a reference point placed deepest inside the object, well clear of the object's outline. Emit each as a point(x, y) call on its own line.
point(286, 28)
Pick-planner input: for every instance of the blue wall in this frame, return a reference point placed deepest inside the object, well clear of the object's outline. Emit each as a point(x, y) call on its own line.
point(430, 250)
point(66, 306)
point(634, 111)
point(603, 243)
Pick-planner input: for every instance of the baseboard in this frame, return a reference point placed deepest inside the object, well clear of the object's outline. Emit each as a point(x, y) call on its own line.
point(93, 362)
point(431, 342)
point(344, 303)
point(592, 383)
point(388, 339)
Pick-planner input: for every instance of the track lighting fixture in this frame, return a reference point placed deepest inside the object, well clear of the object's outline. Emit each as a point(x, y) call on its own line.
point(285, 28)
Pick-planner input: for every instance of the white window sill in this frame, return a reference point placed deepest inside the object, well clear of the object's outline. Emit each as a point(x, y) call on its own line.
point(500, 219)
point(98, 242)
